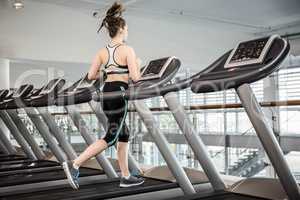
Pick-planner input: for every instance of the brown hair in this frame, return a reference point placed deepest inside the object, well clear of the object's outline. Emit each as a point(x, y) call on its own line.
point(113, 20)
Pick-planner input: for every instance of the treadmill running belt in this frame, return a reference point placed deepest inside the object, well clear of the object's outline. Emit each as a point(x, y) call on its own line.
point(19, 156)
point(221, 196)
point(35, 177)
point(95, 191)
point(10, 158)
point(27, 165)
point(16, 162)
point(234, 197)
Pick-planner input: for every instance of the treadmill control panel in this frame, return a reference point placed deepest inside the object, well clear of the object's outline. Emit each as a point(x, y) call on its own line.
point(3, 94)
point(250, 52)
point(50, 86)
point(156, 68)
point(85, 83)
point(23, 89)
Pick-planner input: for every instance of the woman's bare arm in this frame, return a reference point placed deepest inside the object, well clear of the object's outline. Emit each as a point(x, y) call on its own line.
point(133, 65)
point(94, 71)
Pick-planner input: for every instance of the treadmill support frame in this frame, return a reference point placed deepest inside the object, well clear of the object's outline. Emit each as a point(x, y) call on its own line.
point(57, 133)
point(97, 108)
point(81, 126)
point(17, 135)
point(3, 148)
point(268, 140)
point(28, 137)
point(164, 148)
point(6, 142)
point(45, 133)
point(194, 141)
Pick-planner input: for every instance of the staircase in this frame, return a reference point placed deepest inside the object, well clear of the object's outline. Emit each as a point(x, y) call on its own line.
point(250, 164)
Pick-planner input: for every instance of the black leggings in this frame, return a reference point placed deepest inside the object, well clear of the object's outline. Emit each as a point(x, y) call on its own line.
point(115, 111)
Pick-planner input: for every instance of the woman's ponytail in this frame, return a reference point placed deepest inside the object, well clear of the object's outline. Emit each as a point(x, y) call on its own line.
point(113, 20)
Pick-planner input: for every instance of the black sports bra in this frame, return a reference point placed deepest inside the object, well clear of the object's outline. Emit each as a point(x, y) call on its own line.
point(112, 67)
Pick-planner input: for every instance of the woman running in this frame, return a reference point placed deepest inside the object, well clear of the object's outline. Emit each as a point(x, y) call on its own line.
point(119, 65)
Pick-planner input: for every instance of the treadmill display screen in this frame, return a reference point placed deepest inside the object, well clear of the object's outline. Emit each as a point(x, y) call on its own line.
point(156, 68)
point(250, 52)
point(85, 83)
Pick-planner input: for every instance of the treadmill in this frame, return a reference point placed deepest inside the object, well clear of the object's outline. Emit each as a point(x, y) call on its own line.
point(10, 166)
point(36, 171)
point(10, 97)
point(5, 144)
point(158, 72)
point(4, 150)
point(99, 190)
point(249, 62)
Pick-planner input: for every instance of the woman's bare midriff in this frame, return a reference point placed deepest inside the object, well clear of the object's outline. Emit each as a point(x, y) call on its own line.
point(117, 77)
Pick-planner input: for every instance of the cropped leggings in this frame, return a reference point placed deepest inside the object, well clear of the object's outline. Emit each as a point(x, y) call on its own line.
point(116, 111)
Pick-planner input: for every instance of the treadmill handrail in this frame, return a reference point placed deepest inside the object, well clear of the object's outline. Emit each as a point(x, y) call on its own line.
point(152, 91)
point(33, 97)
point(236, 81)
point(68, 97)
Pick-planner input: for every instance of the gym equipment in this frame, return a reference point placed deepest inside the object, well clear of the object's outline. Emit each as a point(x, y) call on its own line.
point(251, 61)
point(7, 147)
point(110, 188)
point(80, 92)
point(16, 125)
point(33, 171)
point(22, 92)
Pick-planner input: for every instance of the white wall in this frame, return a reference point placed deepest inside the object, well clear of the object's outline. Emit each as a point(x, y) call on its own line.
point(4, 72)
point(54, 33)
point(53, 36)
point(4, 84)
point(39, 73)
point(45, 32)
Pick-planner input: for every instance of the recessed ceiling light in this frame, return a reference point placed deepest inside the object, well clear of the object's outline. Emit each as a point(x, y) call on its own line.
point(18, 4)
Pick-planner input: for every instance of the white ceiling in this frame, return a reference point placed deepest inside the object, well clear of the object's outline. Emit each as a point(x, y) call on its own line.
point(259, 15)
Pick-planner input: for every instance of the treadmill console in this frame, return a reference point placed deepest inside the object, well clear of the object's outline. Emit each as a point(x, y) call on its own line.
point(85, 83)
point(22, 90)
point(3, 93)
point(50, 86)
point(250, 52)
point(156, 68)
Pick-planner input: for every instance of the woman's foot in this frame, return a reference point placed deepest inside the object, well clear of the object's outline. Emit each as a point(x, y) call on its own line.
point(131, 181)
point(72, 174)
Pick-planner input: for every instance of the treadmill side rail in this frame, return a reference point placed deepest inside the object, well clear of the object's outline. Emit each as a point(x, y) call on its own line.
point(45, 133)
point(17, 135)
point(268, 140)
point(194, 141)
point(96, 107)
point(163, 146)
point(81, 126)
point(28, 137)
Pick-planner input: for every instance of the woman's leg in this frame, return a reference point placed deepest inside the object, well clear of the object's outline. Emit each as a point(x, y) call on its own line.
point(72, 168)
point(126, 180)
point(123, 158)
point(91, 151)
